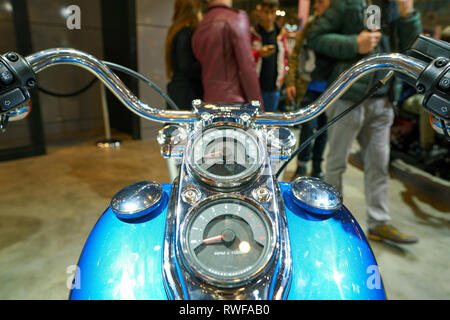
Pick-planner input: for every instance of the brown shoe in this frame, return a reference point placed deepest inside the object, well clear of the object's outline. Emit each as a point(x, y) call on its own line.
point(388, 232)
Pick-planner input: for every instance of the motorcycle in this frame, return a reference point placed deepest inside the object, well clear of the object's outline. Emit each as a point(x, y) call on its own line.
point(226, 228)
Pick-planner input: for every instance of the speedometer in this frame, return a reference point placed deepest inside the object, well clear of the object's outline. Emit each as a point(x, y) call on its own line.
point(225, 156)
point(227, 240)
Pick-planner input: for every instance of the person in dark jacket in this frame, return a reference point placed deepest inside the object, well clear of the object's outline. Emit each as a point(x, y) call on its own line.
point(222, 45)
point(342, 33)
point(183, 70)
point(303, 86)
point(269, 44)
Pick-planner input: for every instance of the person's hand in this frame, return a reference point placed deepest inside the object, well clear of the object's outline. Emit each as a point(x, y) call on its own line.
point(367, 41)
point(405, 7)
point(267, 50)
point(291, 93)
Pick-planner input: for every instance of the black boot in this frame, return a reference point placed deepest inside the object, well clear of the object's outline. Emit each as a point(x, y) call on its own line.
point(317, 171)
point(301, 170)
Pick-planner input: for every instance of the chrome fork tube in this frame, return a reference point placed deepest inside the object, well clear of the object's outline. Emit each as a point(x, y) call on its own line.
point(403, 64)
point(47, 58)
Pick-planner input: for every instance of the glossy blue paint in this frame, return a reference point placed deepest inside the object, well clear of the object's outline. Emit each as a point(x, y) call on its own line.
point(123, 259)
point(330, 255)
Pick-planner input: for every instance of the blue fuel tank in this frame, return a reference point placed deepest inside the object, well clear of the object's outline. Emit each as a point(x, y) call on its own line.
point(331, 257)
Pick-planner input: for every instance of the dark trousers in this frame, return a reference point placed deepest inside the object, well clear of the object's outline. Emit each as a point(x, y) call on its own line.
point(315, 150)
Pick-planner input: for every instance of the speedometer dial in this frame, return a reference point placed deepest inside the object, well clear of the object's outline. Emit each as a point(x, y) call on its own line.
point(225, 156)
point(227, 240)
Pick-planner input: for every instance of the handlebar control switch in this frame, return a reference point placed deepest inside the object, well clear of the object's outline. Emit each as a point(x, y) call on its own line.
point(16, 77)
point(440, 106)
point(11, 100)
point(444, 83)
point(434, 84)
point(6, 76)
point(15, 72)
point(434, 81)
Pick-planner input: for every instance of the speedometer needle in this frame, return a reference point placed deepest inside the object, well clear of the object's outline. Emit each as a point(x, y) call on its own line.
point(213, 238)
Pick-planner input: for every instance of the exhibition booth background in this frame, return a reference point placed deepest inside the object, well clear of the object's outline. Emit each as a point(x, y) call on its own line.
point(128, 32)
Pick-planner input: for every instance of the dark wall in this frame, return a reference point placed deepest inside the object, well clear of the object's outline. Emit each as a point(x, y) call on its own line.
point(119, 46)
point(66, 118)
point(24, 138)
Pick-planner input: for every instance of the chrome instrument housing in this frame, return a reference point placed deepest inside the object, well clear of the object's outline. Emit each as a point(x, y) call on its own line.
point(182, 282)
point(190, 263)
point(231, 181)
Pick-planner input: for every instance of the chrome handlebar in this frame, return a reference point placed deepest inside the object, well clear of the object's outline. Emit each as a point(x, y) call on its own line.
point(403, 64)
point(408, 66)
point(44, 59)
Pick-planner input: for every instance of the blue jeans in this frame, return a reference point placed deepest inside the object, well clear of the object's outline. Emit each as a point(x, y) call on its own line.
point(313, 151)
point(270, 100)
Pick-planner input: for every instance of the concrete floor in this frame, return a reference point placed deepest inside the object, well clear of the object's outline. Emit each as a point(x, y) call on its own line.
point(49, 204)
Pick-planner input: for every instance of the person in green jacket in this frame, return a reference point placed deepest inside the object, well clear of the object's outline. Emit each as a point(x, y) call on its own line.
point(342, 33)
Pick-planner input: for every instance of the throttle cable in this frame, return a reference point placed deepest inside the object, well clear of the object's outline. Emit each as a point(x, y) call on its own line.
point(123, 69)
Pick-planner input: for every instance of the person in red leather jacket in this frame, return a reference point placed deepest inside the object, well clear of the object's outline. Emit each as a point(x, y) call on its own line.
point(222, 45)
